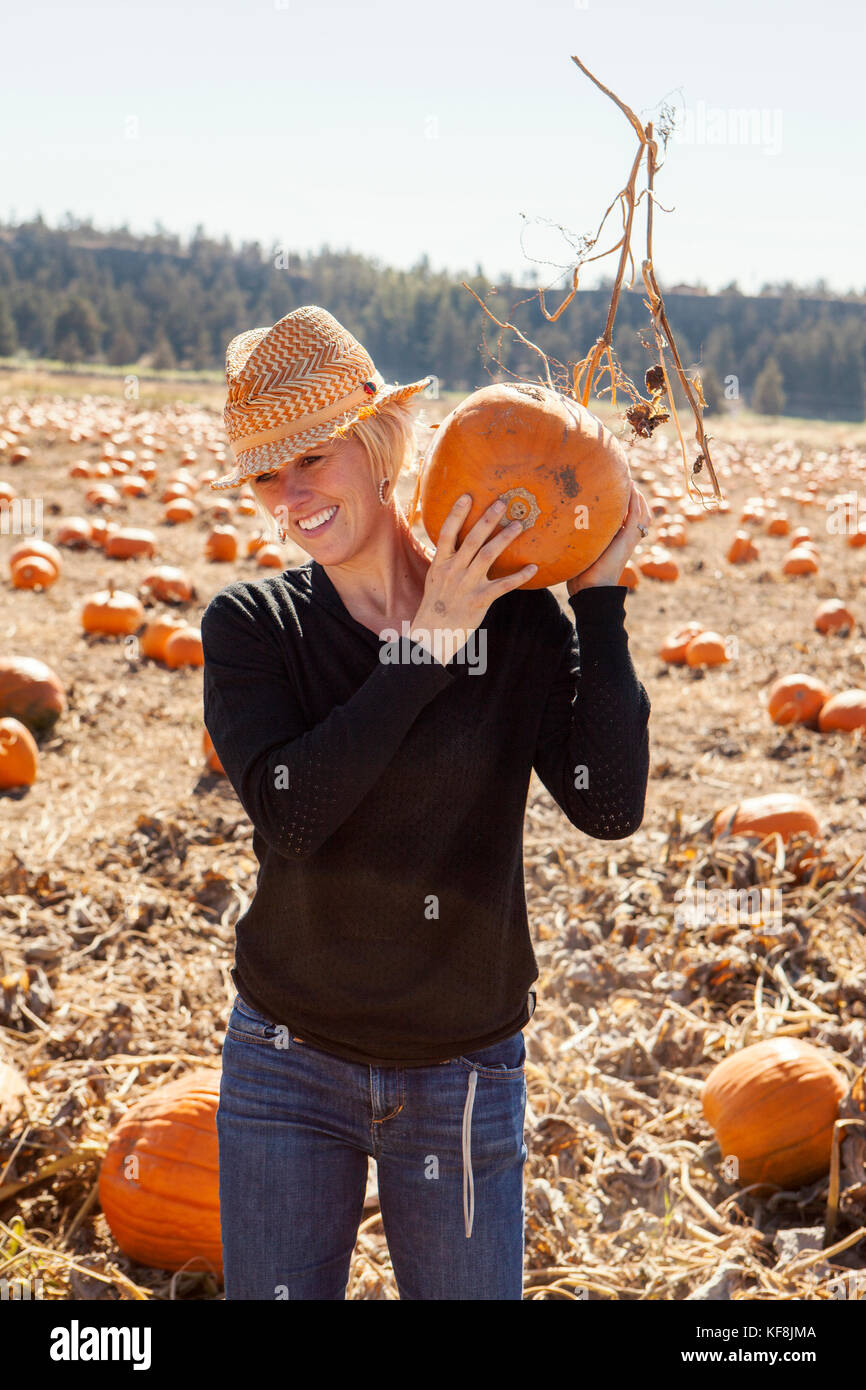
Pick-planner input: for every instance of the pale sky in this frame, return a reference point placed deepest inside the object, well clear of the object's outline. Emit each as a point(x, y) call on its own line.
point(397, 130)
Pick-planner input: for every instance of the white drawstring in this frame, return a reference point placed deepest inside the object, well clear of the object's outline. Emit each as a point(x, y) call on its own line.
point(468, 1209)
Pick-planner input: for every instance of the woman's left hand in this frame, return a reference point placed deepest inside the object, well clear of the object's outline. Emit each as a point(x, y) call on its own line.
point(612, 561)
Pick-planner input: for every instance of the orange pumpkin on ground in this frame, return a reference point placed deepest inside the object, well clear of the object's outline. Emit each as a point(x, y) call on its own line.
point(159, 1179)
point(44, 549)
point(269, 556)
point(562, 474)
point(800, 561)
point(673, 648)
point(180, 510)
point(707, 649)
point(31, 692)
point(19, 756)
point(742, 549)
point(102, 495)
point(833, 616)
point(629, 577)
point(183, 648)
point(222, 544)
point(34, 572)
point(129, 542)
point(846, 711)
point(156, 634)
point(759, 816)
point(778, 525)
point(74, 532)
point(659, 564)
point(112, 611)
point(797, 699)
point(773, 1107)
point(168, 584)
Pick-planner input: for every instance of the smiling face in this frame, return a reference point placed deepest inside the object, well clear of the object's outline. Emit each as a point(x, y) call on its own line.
point(324, 500)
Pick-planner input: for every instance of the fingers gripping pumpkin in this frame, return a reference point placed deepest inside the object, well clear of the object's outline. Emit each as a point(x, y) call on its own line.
point(561, 472)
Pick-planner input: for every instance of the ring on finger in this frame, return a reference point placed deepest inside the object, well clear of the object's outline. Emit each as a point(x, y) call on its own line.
point(644, 530)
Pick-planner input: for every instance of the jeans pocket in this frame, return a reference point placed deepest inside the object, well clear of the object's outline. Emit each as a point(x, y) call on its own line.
point(246, 1024)
point(503, 1060)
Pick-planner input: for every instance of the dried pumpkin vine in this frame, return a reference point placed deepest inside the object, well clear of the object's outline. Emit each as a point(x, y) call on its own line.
point(645, 413)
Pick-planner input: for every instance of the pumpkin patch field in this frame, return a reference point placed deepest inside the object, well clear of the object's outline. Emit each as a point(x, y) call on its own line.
point(728, 932)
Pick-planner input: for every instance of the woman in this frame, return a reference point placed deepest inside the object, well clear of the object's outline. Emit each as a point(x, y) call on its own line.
point(384, 969)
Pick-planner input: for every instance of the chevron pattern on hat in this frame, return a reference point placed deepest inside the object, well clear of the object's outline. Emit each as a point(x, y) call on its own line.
point(305, 362)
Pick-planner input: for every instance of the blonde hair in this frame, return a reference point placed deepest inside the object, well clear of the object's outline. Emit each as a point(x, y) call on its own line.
point(389, 438)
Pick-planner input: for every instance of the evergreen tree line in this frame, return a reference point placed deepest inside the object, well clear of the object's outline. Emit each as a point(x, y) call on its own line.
point(81, 295)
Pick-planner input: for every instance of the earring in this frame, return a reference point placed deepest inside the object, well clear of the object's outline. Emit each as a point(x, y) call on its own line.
point(282, 534)
point(382, 484)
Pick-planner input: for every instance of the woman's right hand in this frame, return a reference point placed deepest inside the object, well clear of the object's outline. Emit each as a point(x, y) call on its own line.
point(457, 592)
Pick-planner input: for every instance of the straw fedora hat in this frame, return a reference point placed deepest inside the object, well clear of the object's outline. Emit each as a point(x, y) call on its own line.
point(302, 381)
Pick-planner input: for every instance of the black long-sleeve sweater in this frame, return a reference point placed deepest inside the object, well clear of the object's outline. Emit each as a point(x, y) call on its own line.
point(387, 800)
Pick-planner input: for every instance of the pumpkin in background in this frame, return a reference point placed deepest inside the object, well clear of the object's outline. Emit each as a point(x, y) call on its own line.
point(19, 756)
point(800, 561)
point(183, 648)
point(629, 578)
point(797, 699)
point(833, 616)
point(32, 692)
point(222, 544)
point(25, 550)
point(778, 525)
point(34, 572)
point(742, 549)
point(772, 1107)
point(673, 648)
point(269, 556)
point(707, 649)
point(74, 532)
point(659, 563)
point(846, 711)
point(562, 474)
point(759, 816)
point(159, 1179)
point(179, 510)
point(169, 584)
point(102, 495)
point(128, 542)
point(156, 634)
point(112, 611)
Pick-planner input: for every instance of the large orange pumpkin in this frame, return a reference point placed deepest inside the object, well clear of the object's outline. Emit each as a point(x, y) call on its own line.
point(847, 711)
point(32, 692)
point(760, 816)
point(772, 1107)
point(159, 1180)
point(563, 475)
point(797, 699)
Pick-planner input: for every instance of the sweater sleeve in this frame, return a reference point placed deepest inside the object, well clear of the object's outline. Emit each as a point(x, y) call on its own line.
point(592, 752)
point(299, 784)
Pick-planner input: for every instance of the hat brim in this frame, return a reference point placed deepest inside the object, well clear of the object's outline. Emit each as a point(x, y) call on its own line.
point(282, 451)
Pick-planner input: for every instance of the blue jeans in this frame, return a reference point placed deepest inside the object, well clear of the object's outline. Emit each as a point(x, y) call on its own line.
point(295, 1127)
